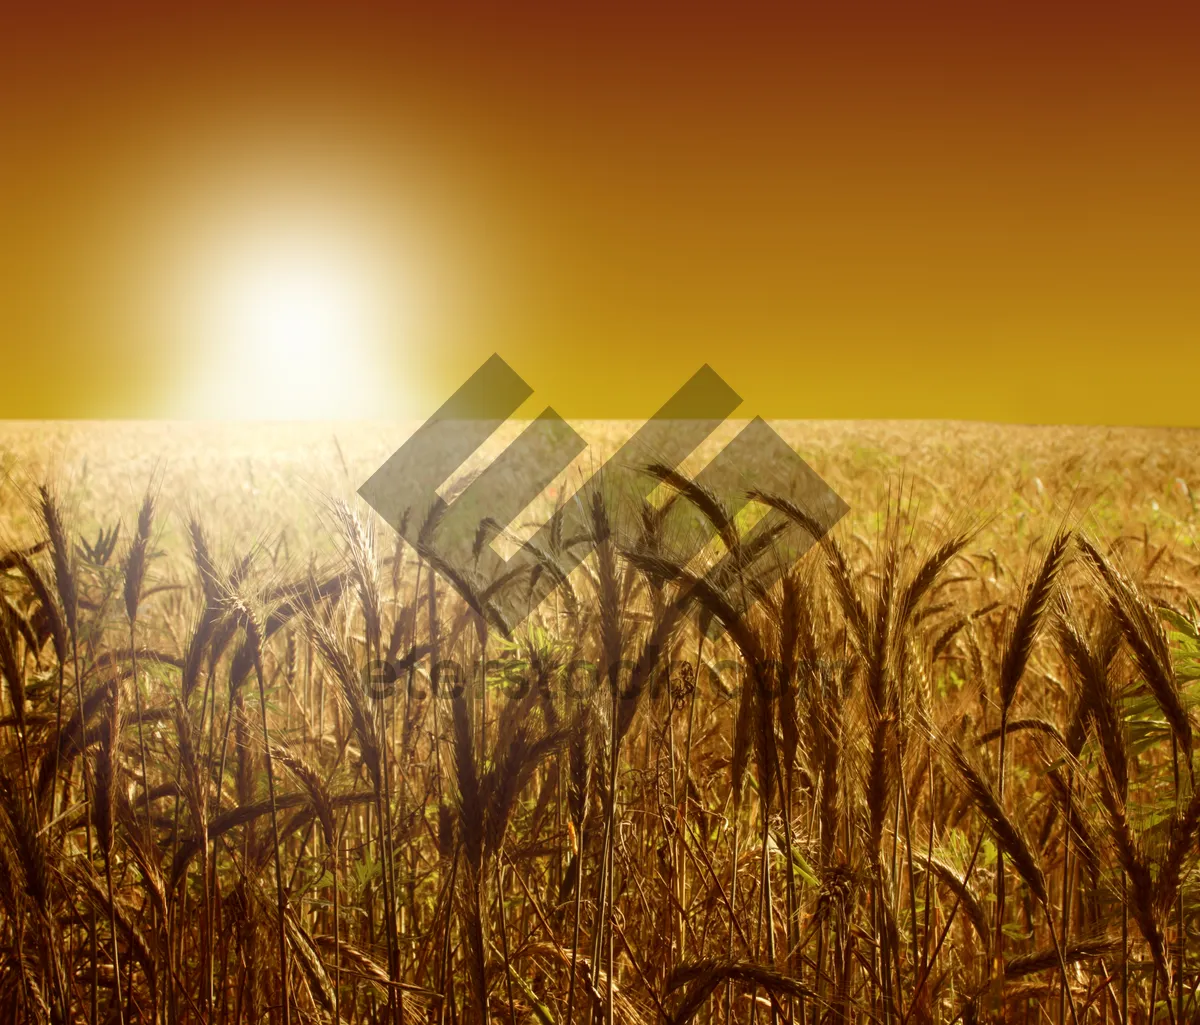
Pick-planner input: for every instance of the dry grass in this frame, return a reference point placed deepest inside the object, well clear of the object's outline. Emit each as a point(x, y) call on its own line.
point(943, 771)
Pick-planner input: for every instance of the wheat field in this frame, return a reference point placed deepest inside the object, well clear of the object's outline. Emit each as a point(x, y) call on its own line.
point(259, 762)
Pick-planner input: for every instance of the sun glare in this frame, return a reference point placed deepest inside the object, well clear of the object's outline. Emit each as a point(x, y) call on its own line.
point(296, 328)
point(290, 307)
point(298, 321)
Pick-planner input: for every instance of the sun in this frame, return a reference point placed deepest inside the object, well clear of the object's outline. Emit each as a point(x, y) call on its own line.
point(295, 327)
point(293, 311)
point(297, 317)
point(288, 306)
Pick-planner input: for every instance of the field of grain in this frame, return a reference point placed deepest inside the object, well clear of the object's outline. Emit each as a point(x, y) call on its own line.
point(259, 762)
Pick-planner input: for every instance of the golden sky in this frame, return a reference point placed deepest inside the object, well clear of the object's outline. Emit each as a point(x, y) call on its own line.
point(966, 210)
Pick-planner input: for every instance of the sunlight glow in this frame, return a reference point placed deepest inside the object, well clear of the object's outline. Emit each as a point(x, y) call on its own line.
point(290, 304)
point(295, 330)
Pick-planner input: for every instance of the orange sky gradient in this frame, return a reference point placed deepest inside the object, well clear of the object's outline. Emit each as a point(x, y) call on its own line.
point(963, 210)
